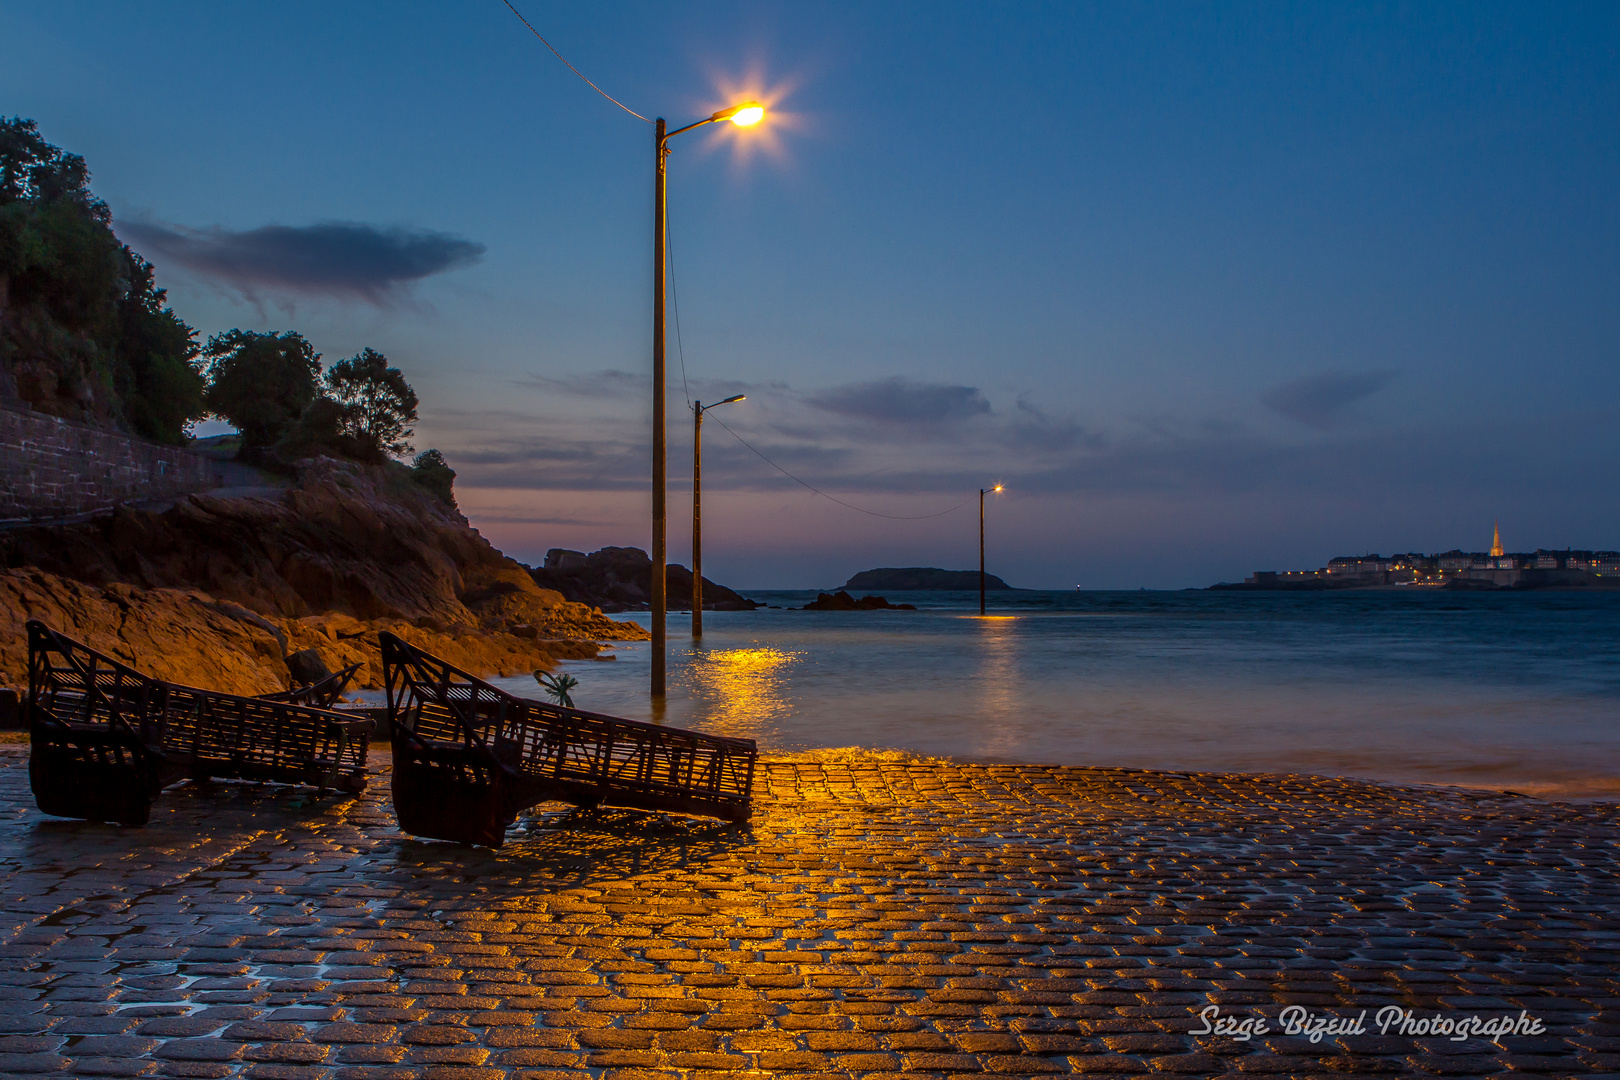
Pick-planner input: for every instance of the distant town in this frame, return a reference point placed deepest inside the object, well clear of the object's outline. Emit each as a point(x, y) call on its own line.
point(1455, 569)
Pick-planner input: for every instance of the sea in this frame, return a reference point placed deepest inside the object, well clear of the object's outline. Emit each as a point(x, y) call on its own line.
point(1507, 691)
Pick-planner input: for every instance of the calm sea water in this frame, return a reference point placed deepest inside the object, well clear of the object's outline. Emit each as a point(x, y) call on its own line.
point(1504, 691)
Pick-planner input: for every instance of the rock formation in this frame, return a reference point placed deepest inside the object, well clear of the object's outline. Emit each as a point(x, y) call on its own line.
point(620, 579)
point(842, 601)
point(217, 592)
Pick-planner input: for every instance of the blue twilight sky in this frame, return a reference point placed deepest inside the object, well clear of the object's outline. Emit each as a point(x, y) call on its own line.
point(1208, 287)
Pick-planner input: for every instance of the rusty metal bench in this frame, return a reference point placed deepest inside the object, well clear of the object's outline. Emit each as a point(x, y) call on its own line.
point(468, 758)
point(105, 739)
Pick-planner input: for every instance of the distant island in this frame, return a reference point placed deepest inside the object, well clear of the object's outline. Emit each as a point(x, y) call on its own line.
point(1455, 569)
point(932, 578)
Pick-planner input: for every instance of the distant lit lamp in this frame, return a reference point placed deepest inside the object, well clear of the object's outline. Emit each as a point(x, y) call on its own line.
point(981, 546)
point(745, 114)
point(698, 409)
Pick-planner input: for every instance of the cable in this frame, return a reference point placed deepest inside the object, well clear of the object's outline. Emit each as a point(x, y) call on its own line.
point(571, 67)
point(680, 346)
point(675, 302)
point(824, 495)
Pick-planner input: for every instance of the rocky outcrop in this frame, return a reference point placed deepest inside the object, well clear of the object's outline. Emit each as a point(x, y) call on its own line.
point(620, 579)
point(217, 592)
point(906, 578)
point(187, 636)
point(842, 601)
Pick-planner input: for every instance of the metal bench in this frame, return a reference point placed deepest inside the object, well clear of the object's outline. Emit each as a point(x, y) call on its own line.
point(323, 693)
point(105, 739)
point(468, 758)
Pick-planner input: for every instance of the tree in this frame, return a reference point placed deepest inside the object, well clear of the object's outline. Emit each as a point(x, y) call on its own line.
point(84, 331)
point(161, 384)
point(261, 384)
point(379, 406)
point(434, 473)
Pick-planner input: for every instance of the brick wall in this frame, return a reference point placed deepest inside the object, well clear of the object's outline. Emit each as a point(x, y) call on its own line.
point(53, 468)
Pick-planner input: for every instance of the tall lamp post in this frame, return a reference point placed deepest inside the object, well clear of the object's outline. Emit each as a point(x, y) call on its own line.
point(746, 114)
point(698, 409)
point(981, 546)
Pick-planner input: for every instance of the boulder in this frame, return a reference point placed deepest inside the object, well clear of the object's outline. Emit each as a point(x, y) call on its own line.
point(620, 578)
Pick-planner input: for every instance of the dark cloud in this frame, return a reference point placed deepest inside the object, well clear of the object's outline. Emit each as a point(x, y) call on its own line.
point(1319, 401)
point(344, 259)
point(902, 400)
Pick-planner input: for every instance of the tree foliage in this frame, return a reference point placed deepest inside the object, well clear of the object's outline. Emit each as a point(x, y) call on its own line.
point(379, 406)
point(261, 384)
point(84, 331)
point(434, 473)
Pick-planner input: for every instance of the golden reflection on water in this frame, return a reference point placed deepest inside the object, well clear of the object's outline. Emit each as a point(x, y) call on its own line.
point(744, 690)
point(998, 685)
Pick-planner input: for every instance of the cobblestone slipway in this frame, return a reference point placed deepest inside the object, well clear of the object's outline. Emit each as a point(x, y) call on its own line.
point(877, 918)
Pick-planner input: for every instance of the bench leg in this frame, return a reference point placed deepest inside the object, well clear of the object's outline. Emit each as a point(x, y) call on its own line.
point(441, 804)
point(101, 784)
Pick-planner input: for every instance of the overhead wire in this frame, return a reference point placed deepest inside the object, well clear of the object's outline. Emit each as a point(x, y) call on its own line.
point(571, 67)
point(675, 303)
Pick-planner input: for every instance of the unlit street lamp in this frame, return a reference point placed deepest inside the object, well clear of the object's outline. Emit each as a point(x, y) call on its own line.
point(981, 546)
point(698, 409)
point(746, 114)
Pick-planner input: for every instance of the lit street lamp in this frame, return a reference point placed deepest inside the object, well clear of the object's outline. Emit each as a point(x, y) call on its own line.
point(981, 546)
point(698, 409)
point(746, 114)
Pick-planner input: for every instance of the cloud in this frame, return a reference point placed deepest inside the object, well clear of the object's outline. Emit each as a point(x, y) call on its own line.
point(343, 259)
point(902, 400)
point(1319, 401)
point(1034, 431)
point(612, 384)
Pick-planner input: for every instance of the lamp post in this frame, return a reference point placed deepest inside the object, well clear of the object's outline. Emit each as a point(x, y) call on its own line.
point(747, 114)
point(981, 546)
point(698, 409)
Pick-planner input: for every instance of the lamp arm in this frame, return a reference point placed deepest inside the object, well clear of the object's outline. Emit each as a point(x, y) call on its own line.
point(688, 127)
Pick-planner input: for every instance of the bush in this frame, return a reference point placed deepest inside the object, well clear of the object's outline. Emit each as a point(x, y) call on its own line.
point(434, 473)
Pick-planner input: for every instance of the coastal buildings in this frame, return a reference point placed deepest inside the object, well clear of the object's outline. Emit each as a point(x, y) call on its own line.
point(1496, 568)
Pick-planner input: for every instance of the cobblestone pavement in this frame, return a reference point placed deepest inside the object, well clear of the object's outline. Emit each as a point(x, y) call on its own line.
point(876, 918)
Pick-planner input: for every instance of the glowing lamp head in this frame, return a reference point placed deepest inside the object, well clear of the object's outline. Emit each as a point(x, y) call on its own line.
point(748, 114)
point(996, 488)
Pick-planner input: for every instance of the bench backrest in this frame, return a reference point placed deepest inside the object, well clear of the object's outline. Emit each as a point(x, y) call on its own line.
point(429, 698)
point(71, 683)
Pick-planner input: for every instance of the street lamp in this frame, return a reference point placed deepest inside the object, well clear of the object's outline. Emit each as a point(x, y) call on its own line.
point(981, 546)
point(698, 409)
point(746, 114)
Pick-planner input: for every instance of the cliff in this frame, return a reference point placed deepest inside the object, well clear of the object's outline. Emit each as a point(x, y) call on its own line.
point(922, 577)
point(620, 579)
point(219, 591)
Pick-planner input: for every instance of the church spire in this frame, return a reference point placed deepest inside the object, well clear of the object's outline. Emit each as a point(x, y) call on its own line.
point(1496, 541)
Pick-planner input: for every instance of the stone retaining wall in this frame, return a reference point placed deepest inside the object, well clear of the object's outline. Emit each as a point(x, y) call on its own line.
point(51, 468)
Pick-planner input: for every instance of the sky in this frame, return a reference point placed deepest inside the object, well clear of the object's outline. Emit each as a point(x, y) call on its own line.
point(1208, 288)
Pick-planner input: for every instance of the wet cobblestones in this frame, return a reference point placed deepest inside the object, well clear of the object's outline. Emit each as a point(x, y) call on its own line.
point(916, 919)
